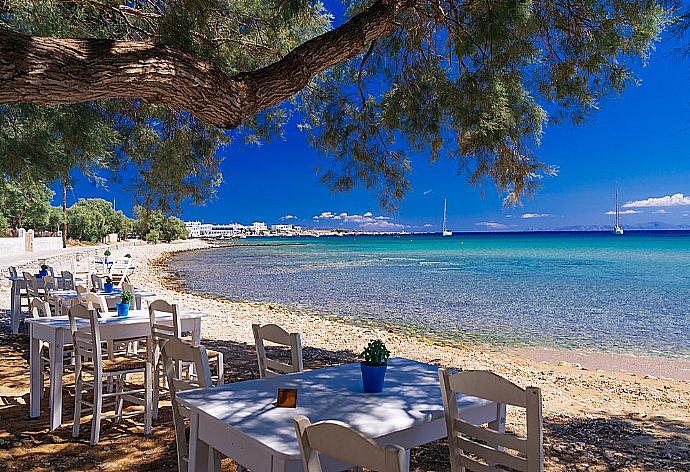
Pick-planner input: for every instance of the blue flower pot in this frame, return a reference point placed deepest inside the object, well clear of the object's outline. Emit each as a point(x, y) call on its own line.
point(42, 273)
point(122, 309)
point(372, 377)
point(108, 288)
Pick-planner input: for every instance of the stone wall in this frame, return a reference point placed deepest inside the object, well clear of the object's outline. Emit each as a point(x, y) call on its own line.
point(15, 246)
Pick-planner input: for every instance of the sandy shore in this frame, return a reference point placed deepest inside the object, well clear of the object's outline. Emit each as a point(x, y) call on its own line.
point(613, 412)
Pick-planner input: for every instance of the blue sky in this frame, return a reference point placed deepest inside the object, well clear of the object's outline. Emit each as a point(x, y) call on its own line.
point(638, 141)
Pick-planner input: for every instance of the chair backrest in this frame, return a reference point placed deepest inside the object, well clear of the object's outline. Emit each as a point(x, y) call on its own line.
point(468, 444)
point(120, 266)
point(67, 280)
point(346, 444)
point(30, 284)
point(95, 302)
point(39, 308)
point(87, 340)
point(277, 335)
point(97, 281)
point(168, 328)
point(127, 286)
point(175, 352)
point(81, 292)
point(49, 284)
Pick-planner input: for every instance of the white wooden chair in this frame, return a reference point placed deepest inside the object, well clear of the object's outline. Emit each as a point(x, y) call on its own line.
point(119, 270)
point(97, 281)
point(40, 309)
point(90, 361)
point(24, 299)
point(96, 302)
point(344, 443)
point(68, 282)
point(175, 352)
point(277, 335)
point(479, 449)
point(31, 285)
point(50, 285)
point(163, 329)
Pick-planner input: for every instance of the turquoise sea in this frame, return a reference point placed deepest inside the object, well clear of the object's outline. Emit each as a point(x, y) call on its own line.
point(627, 293)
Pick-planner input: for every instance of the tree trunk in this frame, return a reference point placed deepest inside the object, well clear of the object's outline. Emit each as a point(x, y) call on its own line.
point(64, 213)
point(61, 71)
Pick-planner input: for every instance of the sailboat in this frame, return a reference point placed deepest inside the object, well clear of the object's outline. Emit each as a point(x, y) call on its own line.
point(617, 230)
point(446, 232)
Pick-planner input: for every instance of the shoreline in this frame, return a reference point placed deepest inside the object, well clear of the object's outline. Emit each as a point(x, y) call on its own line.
point(663, 367)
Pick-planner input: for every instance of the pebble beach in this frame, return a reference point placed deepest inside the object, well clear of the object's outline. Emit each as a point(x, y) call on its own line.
point(601, 411)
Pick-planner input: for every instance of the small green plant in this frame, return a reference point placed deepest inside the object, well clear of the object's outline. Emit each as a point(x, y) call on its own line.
point(107, 253)
point(376, 353)
point(128, 256)
point(126, 297)
point(108, 280)
point(44, 266)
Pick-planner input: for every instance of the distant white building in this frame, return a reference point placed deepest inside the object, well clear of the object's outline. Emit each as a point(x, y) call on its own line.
point(258, 227)
point(286, 228)
point(197, 229)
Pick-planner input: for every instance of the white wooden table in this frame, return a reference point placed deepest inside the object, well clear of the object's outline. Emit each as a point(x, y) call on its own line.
point(241, 421)
point(56, 332)
point(18, 284)
point(67, 297)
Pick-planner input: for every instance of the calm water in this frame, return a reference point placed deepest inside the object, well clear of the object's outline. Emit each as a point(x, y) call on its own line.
point(593, 290)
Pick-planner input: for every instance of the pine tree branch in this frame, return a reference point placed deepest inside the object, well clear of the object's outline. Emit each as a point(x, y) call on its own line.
point(64, 71)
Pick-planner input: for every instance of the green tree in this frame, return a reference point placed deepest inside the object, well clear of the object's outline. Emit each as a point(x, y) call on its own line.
point(25, 204)
point(471, 81)
point(94, 218)
point(153, 226)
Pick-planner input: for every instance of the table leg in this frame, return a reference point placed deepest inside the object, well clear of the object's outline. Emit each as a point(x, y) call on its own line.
point(278, 465)
point(137, 301)
point(199, 451)
point(56, 371)
point(16, 306)
point(196, 332)
point(35, 376)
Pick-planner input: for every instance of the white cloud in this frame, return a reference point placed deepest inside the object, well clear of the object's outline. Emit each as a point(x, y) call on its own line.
point(677, 199)
point(660, 211)
point(534, 215)
point(427, 192)
point(382, 226)
point(624, 212)
point(491, 225)
point(367, 221)
point(288, 217)
point(428, 225)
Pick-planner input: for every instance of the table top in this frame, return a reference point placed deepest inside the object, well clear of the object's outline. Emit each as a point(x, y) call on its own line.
point(111, 318)
point(72, 294)
point(411, 396)
point(21, 278)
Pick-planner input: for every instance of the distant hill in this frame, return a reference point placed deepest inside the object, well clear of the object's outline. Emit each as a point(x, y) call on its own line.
point(654, 225)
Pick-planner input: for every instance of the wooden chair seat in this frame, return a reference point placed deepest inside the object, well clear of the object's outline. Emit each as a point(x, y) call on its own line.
point(119, 364)
point(213, 354)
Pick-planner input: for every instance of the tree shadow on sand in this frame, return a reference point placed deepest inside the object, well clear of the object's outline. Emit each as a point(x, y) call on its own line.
point(605, 443)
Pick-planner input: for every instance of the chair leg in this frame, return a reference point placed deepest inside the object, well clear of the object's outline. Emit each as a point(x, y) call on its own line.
point(120, 400)
point(97, 408)
point(148, 407)
point(78, 394)
point(156, 385)
point(221, 369)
